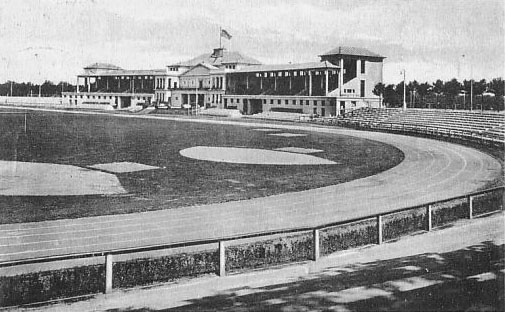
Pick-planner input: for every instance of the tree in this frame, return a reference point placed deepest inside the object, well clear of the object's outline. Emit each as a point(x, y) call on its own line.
point(412, 87)
point(496, 86)
point(390, 96)
point(399, 91)
point(423, 89)
point(479, 87)
point(452, 89)
point(379, 90)
point(438, 87)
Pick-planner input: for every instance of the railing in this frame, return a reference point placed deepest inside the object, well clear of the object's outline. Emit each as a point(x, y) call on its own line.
point(221, 241)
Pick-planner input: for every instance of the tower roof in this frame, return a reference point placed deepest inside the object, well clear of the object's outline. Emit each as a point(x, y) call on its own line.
point(354, 51)
point(103, 66)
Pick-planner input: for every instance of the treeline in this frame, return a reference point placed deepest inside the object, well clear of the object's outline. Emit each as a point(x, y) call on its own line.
point(48, 88)
point(452, 94)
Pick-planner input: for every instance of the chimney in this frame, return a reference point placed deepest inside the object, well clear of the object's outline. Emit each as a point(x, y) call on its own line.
point(218, 52)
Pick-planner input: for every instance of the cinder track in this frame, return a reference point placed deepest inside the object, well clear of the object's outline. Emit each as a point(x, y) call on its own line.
point(432, 170)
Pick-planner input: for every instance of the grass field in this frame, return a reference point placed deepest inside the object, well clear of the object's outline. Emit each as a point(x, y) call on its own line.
point(84, 140)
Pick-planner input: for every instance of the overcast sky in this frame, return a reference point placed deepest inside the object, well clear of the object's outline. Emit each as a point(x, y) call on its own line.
point(54, 39)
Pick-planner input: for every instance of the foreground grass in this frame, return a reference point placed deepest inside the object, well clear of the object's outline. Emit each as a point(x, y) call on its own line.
point(83, 140)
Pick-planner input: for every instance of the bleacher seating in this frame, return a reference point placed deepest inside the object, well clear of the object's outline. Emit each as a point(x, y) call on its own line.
point(368, 115)
point(475, 124)
point(283, 116)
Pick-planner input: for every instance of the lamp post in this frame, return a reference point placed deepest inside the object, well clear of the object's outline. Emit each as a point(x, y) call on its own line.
point(38, 65)
point(404, 91)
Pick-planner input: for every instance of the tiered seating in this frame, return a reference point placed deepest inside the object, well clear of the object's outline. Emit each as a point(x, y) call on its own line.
point(487, 126)
point(283, 116)
point(462, 121)
point(497, 133)
point(368, 116)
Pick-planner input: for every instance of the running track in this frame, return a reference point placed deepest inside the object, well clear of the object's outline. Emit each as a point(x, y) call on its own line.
point(432, 170)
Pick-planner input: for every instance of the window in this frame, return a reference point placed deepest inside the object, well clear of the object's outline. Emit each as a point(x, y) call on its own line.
point(362, 88)
point(362, 66)
point(279, 102)
point(315, 103)
point(294, 102)
point(264, 101)
point(271, 101)
point(353, 103)
point(286, 102)
point(307, 102)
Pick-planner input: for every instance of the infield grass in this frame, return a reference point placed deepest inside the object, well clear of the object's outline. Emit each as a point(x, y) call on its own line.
point(85, 140)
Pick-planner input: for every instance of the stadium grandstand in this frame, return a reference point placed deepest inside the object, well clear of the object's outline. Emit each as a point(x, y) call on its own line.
point(342, 80)
point(480, 125)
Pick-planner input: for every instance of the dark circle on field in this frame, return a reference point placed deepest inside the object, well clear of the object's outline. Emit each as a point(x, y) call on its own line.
point(87, 140)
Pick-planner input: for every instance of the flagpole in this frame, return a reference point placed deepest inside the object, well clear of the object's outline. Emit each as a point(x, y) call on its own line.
point(220, 36)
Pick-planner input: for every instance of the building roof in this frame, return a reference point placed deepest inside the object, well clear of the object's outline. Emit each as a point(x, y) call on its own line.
point(284, 67)
point(105, 66)
point(127, 72)
point(355, 51)
point(218, 59)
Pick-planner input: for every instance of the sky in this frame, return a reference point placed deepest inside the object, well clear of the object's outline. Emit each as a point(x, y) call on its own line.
point(431, 39)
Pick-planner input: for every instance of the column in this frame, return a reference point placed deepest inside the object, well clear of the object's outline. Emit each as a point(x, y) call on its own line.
point(77, 85)
point(304, 80)
point(326, 80)
point(275, 81)
point(315, 242)
point(87, 83)
point(247, 82)
point(341, 76)
point(290, 82)
point(310, 83)
point(222, 259)
point(108, 273)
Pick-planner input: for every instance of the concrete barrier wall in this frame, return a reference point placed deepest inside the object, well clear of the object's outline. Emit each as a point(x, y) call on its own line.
point(33, 101)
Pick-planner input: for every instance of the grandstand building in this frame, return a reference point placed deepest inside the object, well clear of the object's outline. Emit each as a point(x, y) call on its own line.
point(341, 81)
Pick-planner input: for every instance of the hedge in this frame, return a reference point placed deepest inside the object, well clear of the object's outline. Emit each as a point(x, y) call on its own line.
point(348, 236)
point(47, 285)
point(402, 223)
point(273, 251)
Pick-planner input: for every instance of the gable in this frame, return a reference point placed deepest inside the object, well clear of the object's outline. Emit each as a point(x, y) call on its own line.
point(198, 70)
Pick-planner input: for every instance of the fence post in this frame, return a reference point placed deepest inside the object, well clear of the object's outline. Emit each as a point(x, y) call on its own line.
point(316, 250)
point(470, 207)
point(108, 273)
point(429, 224)
point(222, 259)
point(379, 229)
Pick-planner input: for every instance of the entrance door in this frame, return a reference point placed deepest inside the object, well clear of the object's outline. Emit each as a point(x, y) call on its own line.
point(256, 106)
point(126, 101)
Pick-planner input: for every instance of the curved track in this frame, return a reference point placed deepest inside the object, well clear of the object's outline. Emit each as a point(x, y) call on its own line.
point(432, 170)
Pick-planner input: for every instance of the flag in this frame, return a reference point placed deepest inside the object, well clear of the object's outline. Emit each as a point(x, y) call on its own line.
point(225, 34)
